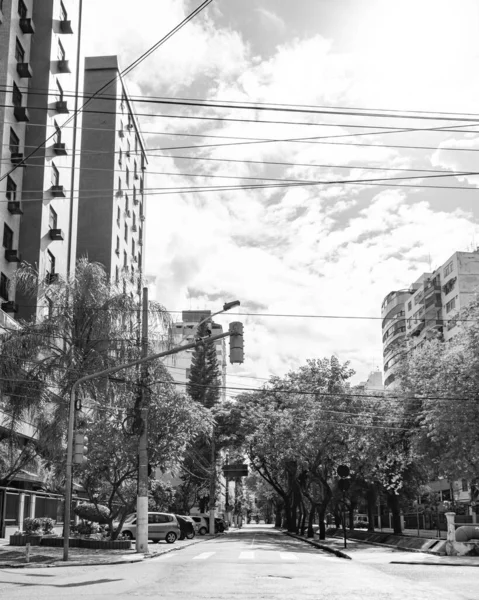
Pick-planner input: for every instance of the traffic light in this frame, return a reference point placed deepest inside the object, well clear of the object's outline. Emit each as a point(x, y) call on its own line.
point(236, 342)
point(80, 449)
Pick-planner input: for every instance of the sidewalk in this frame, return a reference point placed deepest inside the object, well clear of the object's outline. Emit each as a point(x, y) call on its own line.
point(44, 556)
point(374, 553)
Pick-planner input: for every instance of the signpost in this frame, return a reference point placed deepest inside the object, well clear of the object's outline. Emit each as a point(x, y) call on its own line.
point(343, 484)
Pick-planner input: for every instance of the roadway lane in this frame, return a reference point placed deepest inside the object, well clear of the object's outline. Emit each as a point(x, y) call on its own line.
point(255, 562)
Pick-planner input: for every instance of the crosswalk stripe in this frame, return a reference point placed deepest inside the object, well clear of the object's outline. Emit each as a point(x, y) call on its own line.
point(203, 556)
point(247, 555)
point(288, 556)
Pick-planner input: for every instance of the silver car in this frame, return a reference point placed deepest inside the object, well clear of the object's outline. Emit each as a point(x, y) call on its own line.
point(161, 526)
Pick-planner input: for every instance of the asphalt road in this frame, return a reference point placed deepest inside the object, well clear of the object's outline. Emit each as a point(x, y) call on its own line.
point(255, 562)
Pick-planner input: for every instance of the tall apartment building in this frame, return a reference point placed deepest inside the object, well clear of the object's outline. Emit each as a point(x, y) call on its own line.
point(111, 211)
point(179, 364)
point(428, 308)
point(38, 46)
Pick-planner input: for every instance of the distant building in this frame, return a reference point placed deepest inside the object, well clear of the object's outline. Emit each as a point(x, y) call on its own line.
point(374, 382)
point(111, 206)
point(428, 309)
point(179, 364)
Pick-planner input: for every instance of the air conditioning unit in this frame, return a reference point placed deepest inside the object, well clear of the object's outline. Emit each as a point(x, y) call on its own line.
point(20, 113)
point(56, 234)
point(26, 25)
point(12, 256)
point(16, 158)
point(60, 149)
point(14, 208)
point(61, 107)
point(66, 26)
point(63, 66)
point(23, 70)
point(57, 191)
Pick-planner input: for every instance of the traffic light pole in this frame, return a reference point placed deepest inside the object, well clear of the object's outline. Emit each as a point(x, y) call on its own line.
point(71, 417)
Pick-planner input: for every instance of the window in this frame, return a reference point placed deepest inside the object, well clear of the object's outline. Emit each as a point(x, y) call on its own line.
point(60, 51)
point(117, 244)
point(59, 95)
point(448, 269)
point(63, 12)
point(127, 177)
point(126, 232)
point(120, 158)
point(55, 175)
point(136, 144)
point(465, 487)
point(117, 274)
point(134, 220)
point(52, 219)
point(134, 195)
point(135, 170)
point(50, 263)
point(7, 237)
point(119, 186)
point(19, 52)
point(128, 148)
point(133, 247)
point(14, 142)
point(49, 308)
point(22, 9)
point(4, 285)
point(58, 133)
point(118, 216)
point(130, 122)
point(125, 259)
point(139, 260)
point(11, 189)
point(127, 203)
point(451, 304)
point(16, 95)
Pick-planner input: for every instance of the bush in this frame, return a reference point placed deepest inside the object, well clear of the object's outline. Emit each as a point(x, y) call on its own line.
point(32, 526)
point(86, 528)
point(91, 512)
point(47, 525)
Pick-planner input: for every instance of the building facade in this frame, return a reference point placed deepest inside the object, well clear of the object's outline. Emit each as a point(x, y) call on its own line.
point(38, 45)
point(179, 364)
point(428, 309)
point(111, 211)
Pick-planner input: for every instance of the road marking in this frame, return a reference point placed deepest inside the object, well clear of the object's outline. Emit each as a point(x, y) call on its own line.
point(247, 555)
point(288, 556)
point(203, 556)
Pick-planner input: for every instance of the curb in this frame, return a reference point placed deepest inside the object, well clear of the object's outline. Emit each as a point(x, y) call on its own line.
point(319, 545)
point(133, 559)
point(393, 547)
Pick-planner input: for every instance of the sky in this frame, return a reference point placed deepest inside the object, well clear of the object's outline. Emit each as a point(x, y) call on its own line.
point(331, 251)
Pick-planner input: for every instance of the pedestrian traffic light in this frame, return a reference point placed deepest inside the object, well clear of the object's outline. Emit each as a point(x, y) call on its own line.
point(236, 343)
point(81, 448)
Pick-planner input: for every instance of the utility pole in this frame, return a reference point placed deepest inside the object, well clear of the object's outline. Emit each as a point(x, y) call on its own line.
point(142, 494)
point(212, 502)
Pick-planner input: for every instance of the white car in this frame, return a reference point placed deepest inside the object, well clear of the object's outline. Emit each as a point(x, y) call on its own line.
point(201, 522)
point(161, 526)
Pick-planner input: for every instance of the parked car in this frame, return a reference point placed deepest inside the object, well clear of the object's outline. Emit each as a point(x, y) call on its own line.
point(161, 526)
point(202, 523)
point(361, 521)
point(187, 527)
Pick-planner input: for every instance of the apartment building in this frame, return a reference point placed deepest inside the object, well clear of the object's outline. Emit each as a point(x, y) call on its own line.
point(38, 45)
point(111, 211)
point(179, 364)
point(427, 309)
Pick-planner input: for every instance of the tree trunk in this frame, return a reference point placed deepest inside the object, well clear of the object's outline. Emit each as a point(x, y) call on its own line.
point(311, 521)
point(396, 512)
point(371, 498)
point(278, 515)
point(322, 527)
point(303, 521)
point(290, 517)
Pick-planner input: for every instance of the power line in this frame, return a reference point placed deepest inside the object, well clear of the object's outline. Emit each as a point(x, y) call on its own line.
point(128, 69)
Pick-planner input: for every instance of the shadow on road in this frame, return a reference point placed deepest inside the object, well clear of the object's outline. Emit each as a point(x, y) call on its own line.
point(63, 585)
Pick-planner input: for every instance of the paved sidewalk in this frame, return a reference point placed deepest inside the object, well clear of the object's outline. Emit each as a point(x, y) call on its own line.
point(44, 556)
point(369, 553)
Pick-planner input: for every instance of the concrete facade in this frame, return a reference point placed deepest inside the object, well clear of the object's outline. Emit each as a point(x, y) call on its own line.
point(112, 210)
point(38, 48)
point(428, 309)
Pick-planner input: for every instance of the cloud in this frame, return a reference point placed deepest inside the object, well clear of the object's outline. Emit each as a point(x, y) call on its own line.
point(271, 19)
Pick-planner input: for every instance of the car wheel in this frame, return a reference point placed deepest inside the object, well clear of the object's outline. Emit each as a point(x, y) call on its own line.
point(202, 531)
point(182, 536)
point(128, 535)
point(191, 535)
point(170, 537)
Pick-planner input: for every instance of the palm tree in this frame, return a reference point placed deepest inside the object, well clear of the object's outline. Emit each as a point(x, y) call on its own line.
point(84, 324)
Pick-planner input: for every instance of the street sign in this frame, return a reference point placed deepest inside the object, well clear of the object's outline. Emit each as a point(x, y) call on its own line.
point(343, 471)
point(344, 484)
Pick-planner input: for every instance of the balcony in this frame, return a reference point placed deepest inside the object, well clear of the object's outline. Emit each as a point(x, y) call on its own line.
point(16, 158)
point(23, 70)
point(416, 326)
point(51, 277)
point(10, 307)
point(56, 235)
point(20, 113)
point(14, 208)
point(61, 107)
point(431, 287)
point(12, 256)
point(433, 302)
point(60, 148)
point(134, 228)
point(63, 66)
point(57, 191)
point(66, 26)
point(26, 25)
point(7, 322)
